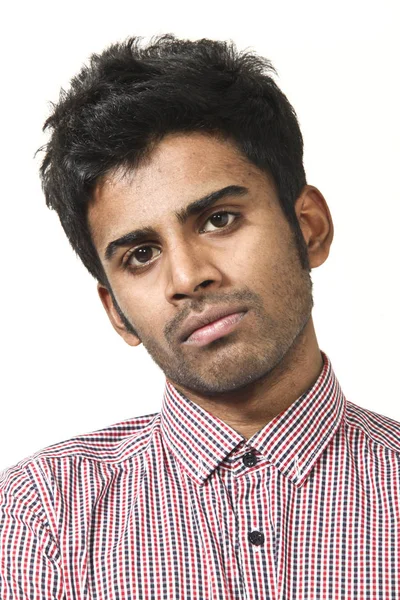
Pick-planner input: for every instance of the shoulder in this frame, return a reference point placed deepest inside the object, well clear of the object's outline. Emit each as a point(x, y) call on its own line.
point(112, 445)
point(374, 427)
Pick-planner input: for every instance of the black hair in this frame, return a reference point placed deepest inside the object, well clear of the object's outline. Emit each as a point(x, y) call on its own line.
point(131, 95)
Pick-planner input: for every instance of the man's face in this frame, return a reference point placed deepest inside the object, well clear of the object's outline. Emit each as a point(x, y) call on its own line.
point(232, 256)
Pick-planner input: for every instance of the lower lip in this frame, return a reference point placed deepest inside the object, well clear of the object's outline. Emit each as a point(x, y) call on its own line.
point(215, 330)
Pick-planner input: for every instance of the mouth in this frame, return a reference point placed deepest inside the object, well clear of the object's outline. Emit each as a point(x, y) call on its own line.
point(214, 329)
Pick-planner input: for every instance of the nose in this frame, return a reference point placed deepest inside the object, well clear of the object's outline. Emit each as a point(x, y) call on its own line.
point(191, 270)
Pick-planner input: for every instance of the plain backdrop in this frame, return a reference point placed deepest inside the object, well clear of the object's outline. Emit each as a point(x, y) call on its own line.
point(64, 371)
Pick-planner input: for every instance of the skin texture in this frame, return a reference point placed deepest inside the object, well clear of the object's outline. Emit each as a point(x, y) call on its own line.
point(247, 262)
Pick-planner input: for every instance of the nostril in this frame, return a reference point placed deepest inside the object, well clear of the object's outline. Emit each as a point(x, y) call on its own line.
point(205, 284)
point(201, 285)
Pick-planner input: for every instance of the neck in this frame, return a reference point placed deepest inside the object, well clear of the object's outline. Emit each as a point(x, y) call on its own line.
point(247, 410)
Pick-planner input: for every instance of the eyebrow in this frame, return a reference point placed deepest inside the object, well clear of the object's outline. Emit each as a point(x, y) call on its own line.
point(194, 208)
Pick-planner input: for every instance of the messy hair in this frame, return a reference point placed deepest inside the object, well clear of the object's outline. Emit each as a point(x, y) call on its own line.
point(121, 104)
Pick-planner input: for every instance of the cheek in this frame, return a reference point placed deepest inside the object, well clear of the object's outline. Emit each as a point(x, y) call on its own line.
point(140, 305)
point(254, 255)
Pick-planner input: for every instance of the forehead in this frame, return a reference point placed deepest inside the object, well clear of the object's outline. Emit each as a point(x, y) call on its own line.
point(180, 169)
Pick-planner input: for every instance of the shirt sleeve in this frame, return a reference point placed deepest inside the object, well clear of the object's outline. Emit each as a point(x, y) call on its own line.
point(30, 566)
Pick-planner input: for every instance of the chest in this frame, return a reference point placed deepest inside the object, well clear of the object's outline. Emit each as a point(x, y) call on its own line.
point(240, 535)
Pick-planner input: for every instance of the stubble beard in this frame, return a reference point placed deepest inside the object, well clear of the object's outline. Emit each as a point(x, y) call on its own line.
point(232, 363)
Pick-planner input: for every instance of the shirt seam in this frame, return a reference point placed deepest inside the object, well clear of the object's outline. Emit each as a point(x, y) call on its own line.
point(372, 440)
point(44, 524)
point(43, 455)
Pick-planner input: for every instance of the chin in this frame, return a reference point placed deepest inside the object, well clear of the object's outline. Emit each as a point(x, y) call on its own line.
point(213, 384)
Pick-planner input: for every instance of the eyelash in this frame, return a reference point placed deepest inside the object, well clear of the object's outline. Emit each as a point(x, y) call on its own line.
point(135, 268)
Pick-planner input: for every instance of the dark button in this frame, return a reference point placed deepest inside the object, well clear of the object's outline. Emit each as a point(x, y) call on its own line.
point(256, 538)
point(249, 459)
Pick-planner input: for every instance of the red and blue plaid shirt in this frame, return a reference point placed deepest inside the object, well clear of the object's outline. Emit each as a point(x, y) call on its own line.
point(178, 505)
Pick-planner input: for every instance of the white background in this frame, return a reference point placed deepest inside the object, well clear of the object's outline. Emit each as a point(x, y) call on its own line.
point(64, 371)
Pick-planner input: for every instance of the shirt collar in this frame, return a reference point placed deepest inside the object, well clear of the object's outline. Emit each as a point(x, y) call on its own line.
point(293, 441)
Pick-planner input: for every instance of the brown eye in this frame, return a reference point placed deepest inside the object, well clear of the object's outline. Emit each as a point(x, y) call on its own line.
point(143, 255)
point(219, 220)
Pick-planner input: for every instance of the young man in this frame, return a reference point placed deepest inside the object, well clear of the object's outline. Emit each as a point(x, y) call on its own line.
point(176, 170)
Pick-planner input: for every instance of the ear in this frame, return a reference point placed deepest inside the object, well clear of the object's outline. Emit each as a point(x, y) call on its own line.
point(116, 319)
point(316, 224)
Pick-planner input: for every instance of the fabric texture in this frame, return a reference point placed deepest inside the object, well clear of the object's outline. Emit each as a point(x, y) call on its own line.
point(178, 505)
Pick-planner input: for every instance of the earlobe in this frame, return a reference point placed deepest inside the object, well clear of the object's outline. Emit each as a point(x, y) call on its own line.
point(115, 317)
point(316, 224)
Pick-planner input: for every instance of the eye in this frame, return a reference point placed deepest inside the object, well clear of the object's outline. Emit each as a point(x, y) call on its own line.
point(142, 256)
point(219, 220)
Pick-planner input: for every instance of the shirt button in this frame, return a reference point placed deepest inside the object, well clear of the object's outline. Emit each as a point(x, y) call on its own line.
point(249, 459)
point(256, 538)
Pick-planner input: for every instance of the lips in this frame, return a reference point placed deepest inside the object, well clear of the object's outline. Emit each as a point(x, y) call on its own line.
point(213, 316)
